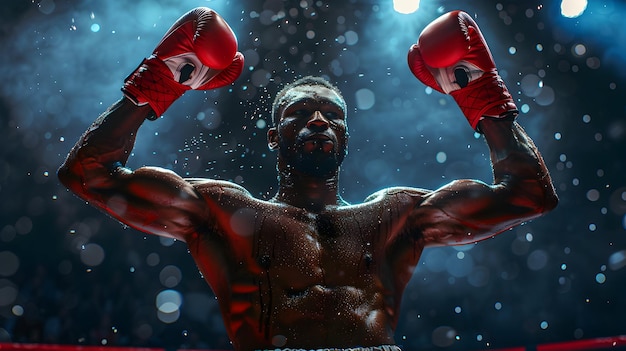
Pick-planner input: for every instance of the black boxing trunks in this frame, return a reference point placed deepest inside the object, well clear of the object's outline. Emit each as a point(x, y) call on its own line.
point(371, 348)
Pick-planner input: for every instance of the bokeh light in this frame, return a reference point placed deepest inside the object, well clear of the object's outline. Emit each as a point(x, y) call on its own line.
point(168, 304)
point(555, 278)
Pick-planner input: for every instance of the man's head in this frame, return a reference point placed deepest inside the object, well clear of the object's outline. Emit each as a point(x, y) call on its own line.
point(312, 81)
point(310, 131)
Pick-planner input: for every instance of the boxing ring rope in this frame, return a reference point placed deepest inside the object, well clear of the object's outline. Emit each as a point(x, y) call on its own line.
point(614, 343)
point(49, 347)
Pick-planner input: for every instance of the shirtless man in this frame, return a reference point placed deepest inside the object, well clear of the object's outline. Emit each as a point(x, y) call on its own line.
point(306, 270)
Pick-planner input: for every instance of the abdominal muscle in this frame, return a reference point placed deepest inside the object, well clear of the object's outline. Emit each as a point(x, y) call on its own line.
point(319, 316)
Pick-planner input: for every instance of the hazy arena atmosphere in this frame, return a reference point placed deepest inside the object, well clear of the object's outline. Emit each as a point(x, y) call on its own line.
point(73, 276)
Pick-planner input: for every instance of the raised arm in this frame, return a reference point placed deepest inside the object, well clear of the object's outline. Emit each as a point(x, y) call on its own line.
point(198, 52)
point(452, 57)
point(466, 211)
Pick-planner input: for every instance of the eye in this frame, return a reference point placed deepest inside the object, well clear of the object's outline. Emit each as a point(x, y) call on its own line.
point(300, 112)
point(334, 115)
point(331, 115)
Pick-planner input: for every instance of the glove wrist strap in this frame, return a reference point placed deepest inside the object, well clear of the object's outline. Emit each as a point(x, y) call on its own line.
point(487, 96)
point(152, 83)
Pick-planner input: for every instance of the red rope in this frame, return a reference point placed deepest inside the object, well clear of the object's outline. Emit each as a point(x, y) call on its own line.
point(47, 347)
point(589, 344)
point(596, 344)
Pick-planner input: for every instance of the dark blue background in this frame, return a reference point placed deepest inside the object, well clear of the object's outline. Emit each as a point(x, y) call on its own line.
point(69, 274)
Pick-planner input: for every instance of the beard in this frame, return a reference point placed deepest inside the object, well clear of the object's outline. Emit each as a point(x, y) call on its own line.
point(313, 161)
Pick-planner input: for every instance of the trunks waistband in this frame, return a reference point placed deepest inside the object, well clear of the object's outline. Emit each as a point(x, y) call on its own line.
point(370, 348)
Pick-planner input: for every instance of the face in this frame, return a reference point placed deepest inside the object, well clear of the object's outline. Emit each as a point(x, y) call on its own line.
point(311, 135)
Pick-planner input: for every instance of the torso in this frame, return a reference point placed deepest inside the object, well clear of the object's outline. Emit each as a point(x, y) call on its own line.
point(285, 277)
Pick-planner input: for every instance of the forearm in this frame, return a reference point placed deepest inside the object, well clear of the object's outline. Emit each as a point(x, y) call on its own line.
point(107, 143)
point(518, 165)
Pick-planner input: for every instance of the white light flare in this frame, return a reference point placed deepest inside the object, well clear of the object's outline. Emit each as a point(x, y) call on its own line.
point(406, 6)
point(573, 8)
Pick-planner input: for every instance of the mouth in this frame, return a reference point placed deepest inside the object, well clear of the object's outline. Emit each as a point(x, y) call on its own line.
point(318, 142)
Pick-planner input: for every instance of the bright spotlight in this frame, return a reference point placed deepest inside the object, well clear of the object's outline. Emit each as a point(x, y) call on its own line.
point(573, 8)
point(406, 6)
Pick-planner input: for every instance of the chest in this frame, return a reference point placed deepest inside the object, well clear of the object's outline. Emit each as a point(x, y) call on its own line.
point(325, 248)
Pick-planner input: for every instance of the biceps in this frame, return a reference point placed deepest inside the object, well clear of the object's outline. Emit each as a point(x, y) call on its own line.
point(467, 211)
point(153, 200)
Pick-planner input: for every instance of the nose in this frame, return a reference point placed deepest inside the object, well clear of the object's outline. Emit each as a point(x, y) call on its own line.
point(317, 122)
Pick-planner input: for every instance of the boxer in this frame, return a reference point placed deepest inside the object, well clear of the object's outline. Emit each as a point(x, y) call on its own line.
point(305, 270)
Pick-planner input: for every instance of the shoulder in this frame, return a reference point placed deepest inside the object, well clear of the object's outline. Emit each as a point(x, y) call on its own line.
point(219, 189)
point(208, 184)
point(399, 193)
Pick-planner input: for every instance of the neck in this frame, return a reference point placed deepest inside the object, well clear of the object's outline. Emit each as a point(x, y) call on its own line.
point(312, 193)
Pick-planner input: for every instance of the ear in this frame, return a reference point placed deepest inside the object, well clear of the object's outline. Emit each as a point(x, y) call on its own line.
point(272, 139)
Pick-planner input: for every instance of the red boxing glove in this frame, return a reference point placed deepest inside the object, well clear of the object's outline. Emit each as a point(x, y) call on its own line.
point(452, 57)
point(198, 52)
